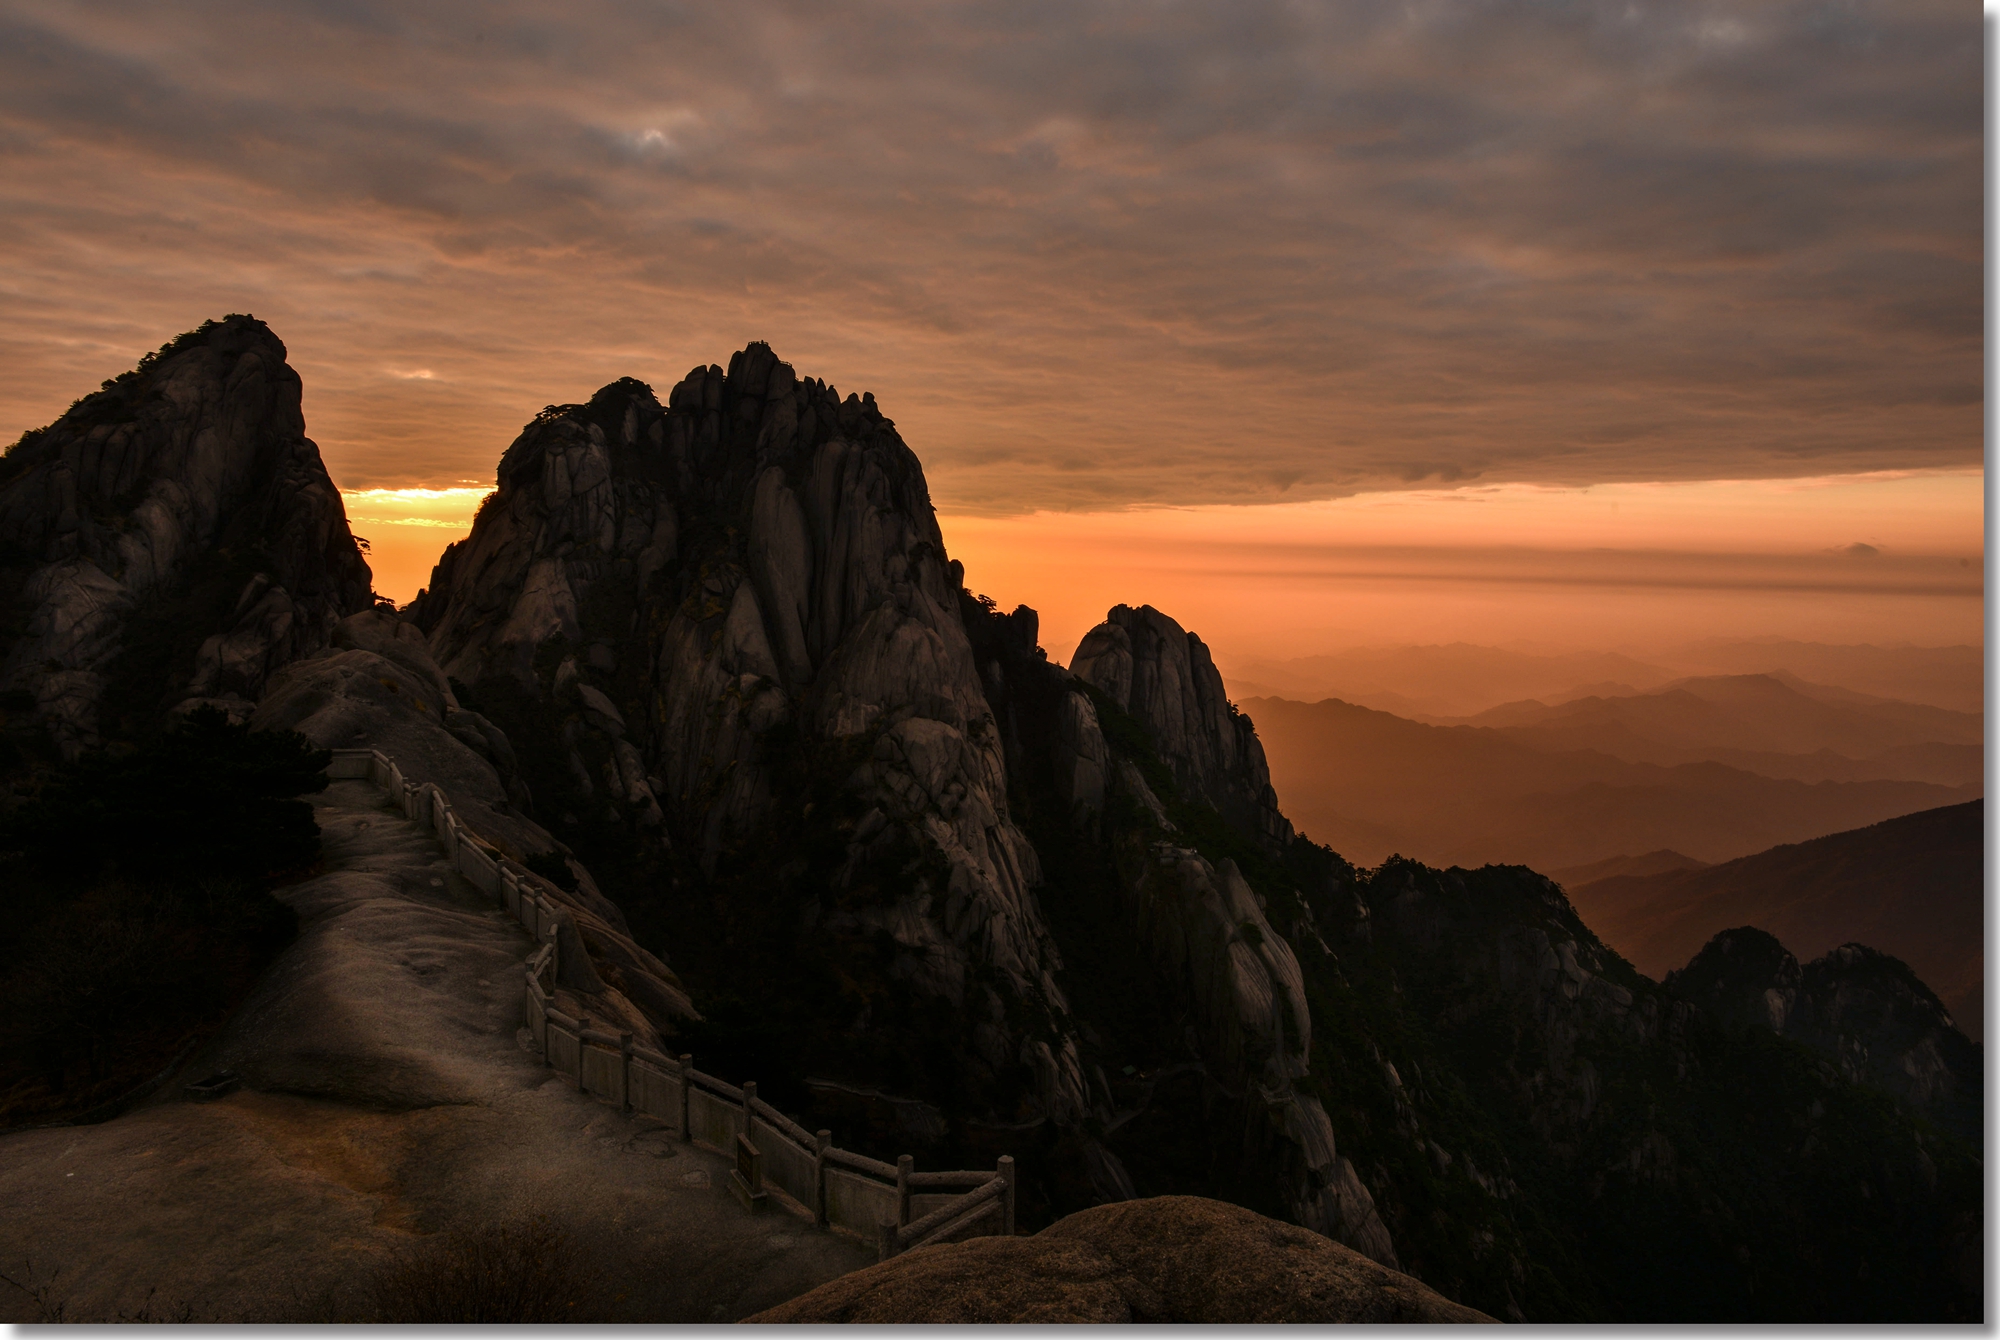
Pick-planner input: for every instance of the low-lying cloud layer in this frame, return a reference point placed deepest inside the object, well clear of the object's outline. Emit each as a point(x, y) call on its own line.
point(1087, 254)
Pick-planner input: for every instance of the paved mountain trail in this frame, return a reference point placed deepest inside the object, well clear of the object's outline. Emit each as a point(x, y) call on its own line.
point(387, 1094)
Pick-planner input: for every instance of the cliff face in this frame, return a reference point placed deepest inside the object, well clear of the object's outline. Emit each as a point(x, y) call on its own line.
point(732, 618)
point(1157, 825)
point(172, 537)
point(1195, 915)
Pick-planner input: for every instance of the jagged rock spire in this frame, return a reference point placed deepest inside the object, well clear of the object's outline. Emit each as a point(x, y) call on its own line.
point(173, 536)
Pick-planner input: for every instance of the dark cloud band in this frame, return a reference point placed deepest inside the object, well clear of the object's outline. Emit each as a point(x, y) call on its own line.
point(1088, 254)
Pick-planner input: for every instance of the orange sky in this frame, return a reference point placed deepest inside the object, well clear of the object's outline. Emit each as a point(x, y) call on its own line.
point(1881, 557)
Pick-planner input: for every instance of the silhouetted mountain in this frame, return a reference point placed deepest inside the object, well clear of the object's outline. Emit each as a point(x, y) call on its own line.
point(1912, 887)
point(1948, 677)
point(1374, 784)
point(1863, 1009)
point(1651, 863)
point(1453, 680)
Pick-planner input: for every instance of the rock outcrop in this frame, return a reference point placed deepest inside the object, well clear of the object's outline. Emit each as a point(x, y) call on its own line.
point(1163, 675)
point(1165, 1259)
point(172, 538)
point(1199, 920)
point(1863, 1009)
point(741, 595)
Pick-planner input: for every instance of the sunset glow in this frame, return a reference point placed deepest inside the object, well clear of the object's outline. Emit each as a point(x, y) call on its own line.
point(1887, 556)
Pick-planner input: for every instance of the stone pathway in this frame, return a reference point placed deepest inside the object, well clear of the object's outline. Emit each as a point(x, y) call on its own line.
point(387, 1093)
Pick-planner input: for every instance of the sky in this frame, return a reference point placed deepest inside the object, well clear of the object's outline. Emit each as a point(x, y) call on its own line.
point(1307, 323)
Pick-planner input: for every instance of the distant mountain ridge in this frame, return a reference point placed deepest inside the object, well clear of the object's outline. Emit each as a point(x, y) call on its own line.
point(1373, 784)
point(1911, 886)
point(1951, 677)
point(1450, 679)
point(1460, 679)
point(1776, 714)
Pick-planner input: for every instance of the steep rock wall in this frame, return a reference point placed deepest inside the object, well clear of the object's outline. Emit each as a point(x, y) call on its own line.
point(173, 536)
point(1147, 704)
point(707, 592)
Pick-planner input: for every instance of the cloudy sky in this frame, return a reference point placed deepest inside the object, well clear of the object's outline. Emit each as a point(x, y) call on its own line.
point(1278, 264)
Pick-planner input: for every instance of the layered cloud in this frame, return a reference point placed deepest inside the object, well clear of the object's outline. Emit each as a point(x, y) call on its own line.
point(1088, 255)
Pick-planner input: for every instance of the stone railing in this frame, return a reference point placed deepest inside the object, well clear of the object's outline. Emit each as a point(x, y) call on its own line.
point(892, 1204)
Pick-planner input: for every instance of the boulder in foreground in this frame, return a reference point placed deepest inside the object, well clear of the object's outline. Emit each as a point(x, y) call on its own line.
point(1164, 1259)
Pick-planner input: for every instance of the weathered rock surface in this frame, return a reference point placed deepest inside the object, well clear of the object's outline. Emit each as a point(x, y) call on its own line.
point(1164, 676)
point(1592, 1116)
point(1199, 920)
point(699, 596)
point(1863, 1009)
point(1166, 1259)
point(172, 537)
point(1206, 929)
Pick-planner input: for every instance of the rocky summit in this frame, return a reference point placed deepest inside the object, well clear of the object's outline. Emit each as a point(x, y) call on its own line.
point(172, 538)
point(824, 817)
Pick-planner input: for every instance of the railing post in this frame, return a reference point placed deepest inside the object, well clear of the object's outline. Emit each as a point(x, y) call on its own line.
point(822, 1141)
point(624, 1071)
point(582, 1022)
point(749, 1096)
point(885, 1240)
point(904, 1165)
point(748, 1177)
point(1007, 1176)
point(687, 1066)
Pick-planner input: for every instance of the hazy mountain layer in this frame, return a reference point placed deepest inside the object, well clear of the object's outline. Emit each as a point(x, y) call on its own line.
point(1648, 863)
point(1742, 714)
point(1462, 679)
point(1948, 677)
point(1372, 784)
point(1912, 887)
point(1455, 679)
